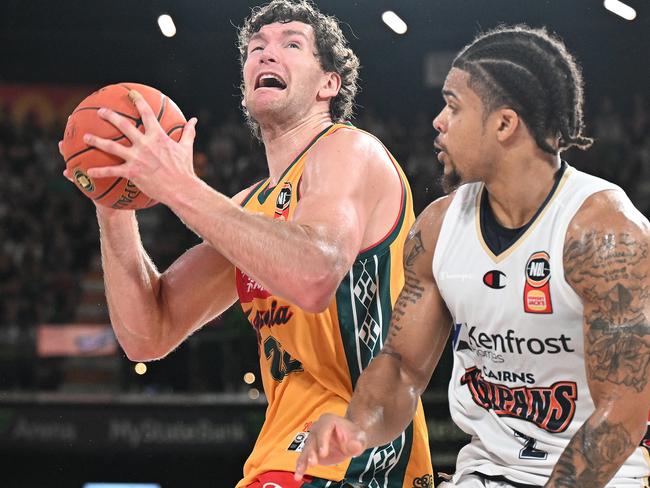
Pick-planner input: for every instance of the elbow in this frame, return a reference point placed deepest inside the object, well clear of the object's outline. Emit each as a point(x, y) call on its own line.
point(139, 348)
point(139, 355)
point(316, 284)
point(315, 294)
point(142, 353)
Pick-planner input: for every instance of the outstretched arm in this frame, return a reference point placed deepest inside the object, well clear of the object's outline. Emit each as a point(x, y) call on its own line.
point(302, 260)
point(387, 393)
point(607, 262)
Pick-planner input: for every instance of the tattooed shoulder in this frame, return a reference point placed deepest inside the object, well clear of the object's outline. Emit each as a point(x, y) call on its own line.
point(415, 248)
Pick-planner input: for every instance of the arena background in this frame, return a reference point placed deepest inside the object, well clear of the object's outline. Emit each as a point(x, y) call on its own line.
point(72, 408)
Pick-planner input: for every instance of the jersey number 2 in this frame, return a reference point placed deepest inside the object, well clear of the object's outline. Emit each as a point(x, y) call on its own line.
point(529, 451)
point(281, 361)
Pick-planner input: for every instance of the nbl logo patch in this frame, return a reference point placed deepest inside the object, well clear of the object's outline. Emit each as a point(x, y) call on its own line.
point(537, 290)
point(298, 442)
point(282, 202)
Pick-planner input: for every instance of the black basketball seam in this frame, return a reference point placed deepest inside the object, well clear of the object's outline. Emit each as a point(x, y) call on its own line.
point(89, 148)
point(109, 189)
point(175, 128)
point(163, 105)
point(134, 119)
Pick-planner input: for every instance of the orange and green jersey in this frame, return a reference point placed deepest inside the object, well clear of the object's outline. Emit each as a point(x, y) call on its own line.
point(310, 362)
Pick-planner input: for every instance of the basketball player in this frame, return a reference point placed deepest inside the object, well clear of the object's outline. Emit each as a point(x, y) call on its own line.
point(313, 252)
point(540, 274)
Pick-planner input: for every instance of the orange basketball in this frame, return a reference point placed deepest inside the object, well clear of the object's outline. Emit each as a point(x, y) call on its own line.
point(113, 192)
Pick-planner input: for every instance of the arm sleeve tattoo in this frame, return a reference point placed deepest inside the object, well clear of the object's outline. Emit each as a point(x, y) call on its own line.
point(609, 272)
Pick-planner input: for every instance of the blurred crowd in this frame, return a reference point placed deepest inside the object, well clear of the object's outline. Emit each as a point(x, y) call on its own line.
point(49, 253)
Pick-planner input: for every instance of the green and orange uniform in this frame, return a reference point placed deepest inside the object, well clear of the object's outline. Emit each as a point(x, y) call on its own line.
point(310, 362)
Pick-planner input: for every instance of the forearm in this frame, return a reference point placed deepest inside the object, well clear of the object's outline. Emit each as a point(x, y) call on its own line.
point(131, 281)
point(287, 258)
point(596, 452)
point(384, 401)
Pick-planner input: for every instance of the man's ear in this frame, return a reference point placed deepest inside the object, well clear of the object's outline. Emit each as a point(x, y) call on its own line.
point(330, 87)
point(507, 122)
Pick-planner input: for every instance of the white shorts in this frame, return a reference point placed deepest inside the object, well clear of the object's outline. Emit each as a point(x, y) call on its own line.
point(473, 481)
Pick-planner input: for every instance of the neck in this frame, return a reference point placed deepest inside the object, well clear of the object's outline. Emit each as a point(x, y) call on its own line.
point(283, 144)
point(520, 186)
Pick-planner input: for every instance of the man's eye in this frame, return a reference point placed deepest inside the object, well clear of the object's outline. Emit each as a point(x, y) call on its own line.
point(294, 45)
point(256, 48)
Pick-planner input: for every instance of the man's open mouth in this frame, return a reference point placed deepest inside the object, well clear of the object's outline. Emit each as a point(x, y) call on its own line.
point(270, 80)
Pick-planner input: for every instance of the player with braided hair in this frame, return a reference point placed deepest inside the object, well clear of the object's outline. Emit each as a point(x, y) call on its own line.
point(539, 272)
point(541, 80)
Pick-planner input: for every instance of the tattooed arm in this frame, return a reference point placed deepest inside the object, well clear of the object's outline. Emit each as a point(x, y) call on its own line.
point(606, 260)
point(387, 393)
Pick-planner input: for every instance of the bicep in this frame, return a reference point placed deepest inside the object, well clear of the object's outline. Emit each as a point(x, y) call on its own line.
point(335, 219)
point(421, 322)
point(343, 182)
point(196, 288)
point(608, 268)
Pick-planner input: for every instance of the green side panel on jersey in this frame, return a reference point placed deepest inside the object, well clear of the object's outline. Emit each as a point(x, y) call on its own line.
point(383, 466)
point(364, 309)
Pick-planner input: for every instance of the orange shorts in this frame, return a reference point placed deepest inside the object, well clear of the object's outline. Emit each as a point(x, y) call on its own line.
point(278, 479)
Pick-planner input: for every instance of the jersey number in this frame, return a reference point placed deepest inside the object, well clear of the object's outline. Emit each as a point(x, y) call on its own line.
point(529, 451)
point(281, 361)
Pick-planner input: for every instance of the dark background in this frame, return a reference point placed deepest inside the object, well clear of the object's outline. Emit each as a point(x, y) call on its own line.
point(58, 416)
point(101, 42)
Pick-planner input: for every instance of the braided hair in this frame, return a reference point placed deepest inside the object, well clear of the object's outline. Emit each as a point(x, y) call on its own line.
point(530, 71)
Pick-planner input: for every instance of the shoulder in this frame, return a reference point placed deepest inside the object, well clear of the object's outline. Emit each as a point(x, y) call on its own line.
point(422, 238)
point(608, 211)
point(349, 149)
point(429, 222)
point(608, 239)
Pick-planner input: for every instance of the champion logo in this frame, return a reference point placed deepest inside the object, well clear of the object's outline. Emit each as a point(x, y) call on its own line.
point(495, 279)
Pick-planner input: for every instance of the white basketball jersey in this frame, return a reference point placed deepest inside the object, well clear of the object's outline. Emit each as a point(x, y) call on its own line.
point(519, 384)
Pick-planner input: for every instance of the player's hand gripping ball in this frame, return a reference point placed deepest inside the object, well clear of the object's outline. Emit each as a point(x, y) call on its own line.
point(113, 192)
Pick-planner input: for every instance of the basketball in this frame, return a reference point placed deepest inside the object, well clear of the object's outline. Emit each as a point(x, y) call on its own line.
point(114, 192)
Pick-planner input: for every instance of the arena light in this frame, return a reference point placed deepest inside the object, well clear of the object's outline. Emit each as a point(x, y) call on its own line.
point(166, 24)
point(394, 22)
point(140, 368)
point(621, 9)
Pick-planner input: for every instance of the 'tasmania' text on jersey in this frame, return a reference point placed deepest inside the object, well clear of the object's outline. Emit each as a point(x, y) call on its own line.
point(310, 361)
